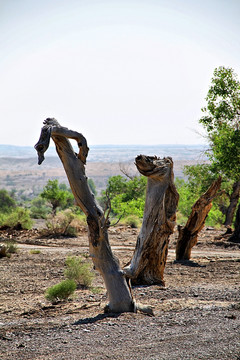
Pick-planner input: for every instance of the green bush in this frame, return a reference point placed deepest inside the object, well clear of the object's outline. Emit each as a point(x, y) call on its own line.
point(215, 217)
point(7, 203)
point(62, 224)
point(19, 218)
point(132, 220)
point(79, 271)
point(127, 196)
point(35, 251)
point(11, 248)
point(39, 208)
point(60, 291)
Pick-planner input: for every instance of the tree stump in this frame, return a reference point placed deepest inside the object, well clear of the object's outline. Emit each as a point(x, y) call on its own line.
point(119, 293)
point(188, 234)
point(150, 255)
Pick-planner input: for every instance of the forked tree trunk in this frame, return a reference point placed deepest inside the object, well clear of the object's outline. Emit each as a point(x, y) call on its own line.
point(236, 235)
point(119, 293)
point(188, 234)
point(233, 204)
point(149, 259)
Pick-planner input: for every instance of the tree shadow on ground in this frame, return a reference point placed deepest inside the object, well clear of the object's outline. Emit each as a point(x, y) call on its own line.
point(190, 263)
point(99, 317)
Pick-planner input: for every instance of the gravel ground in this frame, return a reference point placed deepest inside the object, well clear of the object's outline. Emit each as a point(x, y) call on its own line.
point(196, 316)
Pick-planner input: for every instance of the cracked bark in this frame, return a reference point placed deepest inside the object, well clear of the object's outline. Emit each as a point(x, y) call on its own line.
point(119, 292)
point(150, 255)
point(188, 234)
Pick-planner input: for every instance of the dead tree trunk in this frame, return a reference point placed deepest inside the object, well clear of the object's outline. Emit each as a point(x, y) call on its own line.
point(149, 259)
point(188, 234)
point(233, 204)
point(236, 235)
point(119, 293)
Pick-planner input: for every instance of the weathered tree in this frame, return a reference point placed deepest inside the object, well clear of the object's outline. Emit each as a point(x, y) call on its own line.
point(119, 292)
point(150, 255)
point(188, 234)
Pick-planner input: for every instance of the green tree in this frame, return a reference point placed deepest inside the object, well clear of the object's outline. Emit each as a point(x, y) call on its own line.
point(221, 121)
point(199, 179)
point(39, 208)
point(127, 196)
point(7, 203)
point(57, 195)
point(223, 102)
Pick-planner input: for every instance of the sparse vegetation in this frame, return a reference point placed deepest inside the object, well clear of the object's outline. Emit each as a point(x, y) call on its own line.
point(61, 291)
point(62, 224)
point(35, 251)
point(79, 271)
point(132, 220)
point(39, 208)
point(12, 248)
point(18, 219)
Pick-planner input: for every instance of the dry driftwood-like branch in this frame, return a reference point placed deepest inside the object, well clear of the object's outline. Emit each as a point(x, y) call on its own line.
point(149, 259)
point(188, 234)
point(119, 292)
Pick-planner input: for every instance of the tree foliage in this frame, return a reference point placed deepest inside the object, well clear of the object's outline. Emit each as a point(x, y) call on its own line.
point(127, 195)
point(221, 121)
point(7, 203)
point(57, 195)
point(199, 179)
point(223, 101)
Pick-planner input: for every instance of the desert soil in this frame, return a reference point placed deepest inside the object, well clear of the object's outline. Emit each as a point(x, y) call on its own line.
point(196, 316)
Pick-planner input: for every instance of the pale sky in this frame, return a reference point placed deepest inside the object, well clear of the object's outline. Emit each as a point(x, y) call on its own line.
point(120, 72)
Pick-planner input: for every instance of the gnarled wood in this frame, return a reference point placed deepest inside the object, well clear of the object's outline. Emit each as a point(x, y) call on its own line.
point(119, 293)
point(188, 234)
point(149, 259)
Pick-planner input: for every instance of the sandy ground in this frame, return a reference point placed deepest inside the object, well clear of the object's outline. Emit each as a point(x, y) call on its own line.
point(196, 316)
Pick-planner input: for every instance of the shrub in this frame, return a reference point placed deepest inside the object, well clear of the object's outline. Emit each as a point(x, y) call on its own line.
point(35, 251)
point(39, 208)
point(12, 248)
point(19, 218)
point(79, 271)
point(62, 224)
point(6, 201)
point(60, 291)
point(132, 220)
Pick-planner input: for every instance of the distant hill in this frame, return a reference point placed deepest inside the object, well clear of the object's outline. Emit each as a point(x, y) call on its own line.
point(115, 153)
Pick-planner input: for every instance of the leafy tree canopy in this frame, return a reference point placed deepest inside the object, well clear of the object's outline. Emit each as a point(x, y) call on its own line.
point(127, 196)
point(221, 121)
point(57, 195)
point(223, 101)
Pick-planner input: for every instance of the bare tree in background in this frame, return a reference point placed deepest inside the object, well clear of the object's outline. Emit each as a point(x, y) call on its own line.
point(149, 259)
point(188, 234)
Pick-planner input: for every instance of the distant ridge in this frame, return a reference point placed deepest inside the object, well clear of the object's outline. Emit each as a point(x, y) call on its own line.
point(115, 153)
